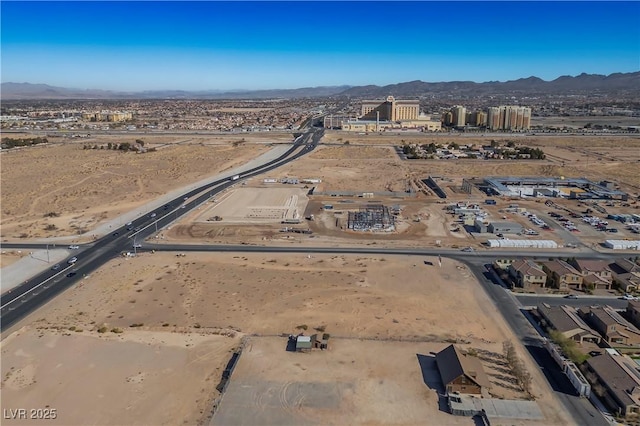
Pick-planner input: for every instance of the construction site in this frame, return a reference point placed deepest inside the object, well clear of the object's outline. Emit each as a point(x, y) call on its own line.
point(372, 217)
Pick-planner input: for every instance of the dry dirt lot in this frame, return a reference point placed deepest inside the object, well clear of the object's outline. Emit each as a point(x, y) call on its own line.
point(133, 378)
point(354, 382)
point(222, 296)
point(83, 188)
point(256, 205)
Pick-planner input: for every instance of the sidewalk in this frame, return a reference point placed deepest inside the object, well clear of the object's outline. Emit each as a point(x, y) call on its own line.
point(15, 274)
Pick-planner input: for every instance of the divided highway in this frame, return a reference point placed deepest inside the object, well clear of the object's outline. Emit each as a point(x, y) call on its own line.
point(24, 299)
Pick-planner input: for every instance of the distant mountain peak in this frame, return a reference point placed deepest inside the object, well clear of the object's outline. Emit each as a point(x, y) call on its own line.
point(563, 84)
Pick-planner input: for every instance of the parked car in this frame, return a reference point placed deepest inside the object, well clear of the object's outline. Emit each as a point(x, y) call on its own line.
point(74, 247)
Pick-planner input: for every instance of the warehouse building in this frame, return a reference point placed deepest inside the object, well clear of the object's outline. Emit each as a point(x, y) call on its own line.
point(505, 228)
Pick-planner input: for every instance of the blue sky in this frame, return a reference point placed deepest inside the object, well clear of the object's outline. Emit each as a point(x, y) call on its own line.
point(266, 45)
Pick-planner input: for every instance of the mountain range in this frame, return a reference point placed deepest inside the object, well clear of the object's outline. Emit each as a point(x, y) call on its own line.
point(583, 83)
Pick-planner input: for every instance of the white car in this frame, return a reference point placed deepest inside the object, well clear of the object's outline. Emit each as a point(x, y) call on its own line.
point(152, 215)
point(74, 247)
point(628, 297)
point(72, 260)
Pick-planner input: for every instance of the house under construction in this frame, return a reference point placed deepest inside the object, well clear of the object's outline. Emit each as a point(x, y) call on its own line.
point(372, 217)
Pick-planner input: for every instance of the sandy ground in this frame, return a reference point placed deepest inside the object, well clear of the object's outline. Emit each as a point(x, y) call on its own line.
point(354, 382)
point(134, 378)
point(256, 205)
point(368, 297)
point(95, 186)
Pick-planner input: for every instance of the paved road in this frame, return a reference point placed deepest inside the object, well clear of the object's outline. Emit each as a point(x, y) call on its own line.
point(19, 301)
point(582, 411)
point(534, 300)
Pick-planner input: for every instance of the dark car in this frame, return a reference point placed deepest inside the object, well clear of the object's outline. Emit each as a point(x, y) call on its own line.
point(71, 274)
point(571, 296)
point(115, 234)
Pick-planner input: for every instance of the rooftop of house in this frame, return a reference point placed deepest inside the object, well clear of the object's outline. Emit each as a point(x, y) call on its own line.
point(609, 316)
point(452, 363)
point(620, 377)
point(565, 319)
point(596, 266)
point(560, 267)
point(528, 267)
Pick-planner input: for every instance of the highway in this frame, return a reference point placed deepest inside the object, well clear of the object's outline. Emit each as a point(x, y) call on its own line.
point(24, 299)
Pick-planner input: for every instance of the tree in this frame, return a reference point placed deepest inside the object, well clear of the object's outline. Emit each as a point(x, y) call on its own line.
point(140, 142)
point(109, 145)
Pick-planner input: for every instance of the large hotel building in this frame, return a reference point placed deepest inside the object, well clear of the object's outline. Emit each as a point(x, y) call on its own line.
point(390, 110)
point(509, 118)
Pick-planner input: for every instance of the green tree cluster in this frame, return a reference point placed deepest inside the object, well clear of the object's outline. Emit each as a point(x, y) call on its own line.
point(8, 143)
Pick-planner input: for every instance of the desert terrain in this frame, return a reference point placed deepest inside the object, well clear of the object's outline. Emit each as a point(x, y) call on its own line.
point(188, 312)
point(180, 317)
point(369, 163)
point(63, 189)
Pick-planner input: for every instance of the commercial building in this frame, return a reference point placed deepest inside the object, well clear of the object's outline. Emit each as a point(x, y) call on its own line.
point(573, 188)
point(390, 110)
point(459, 116)
point(109, 116)
point(335, 121)
point(505, 228)
point(509, 118)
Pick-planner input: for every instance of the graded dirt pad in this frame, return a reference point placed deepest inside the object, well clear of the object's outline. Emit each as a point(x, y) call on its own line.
point(138, 377)
point(257, 205)
point(77, 189)
point(355, 382)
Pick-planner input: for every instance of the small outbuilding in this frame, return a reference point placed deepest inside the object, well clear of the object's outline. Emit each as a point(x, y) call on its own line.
point(304, 343)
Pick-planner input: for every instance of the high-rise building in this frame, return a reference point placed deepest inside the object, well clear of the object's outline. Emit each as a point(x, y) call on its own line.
point(509, 118)
point(459, 115)
point(390, 110)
